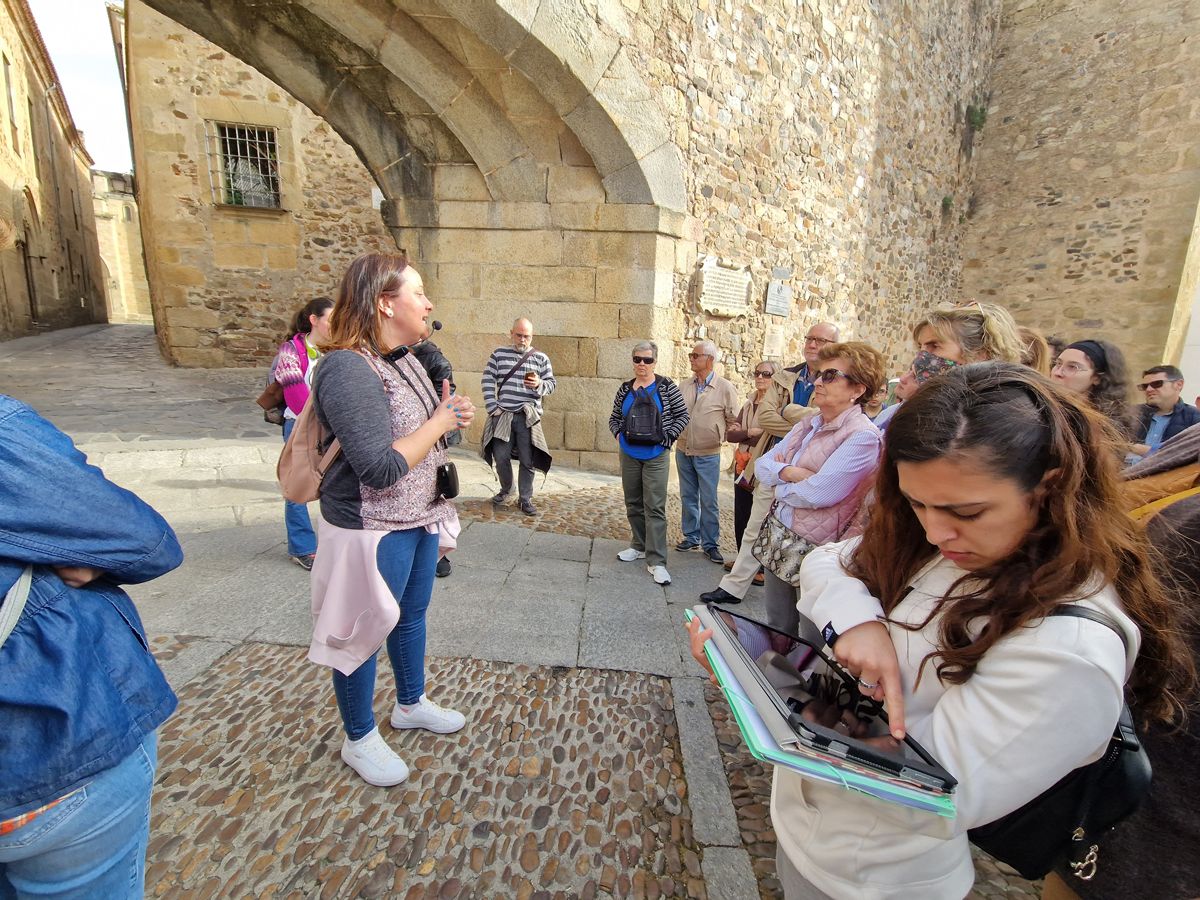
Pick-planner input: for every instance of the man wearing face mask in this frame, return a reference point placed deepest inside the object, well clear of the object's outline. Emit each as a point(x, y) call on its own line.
point(784, 404)
point(515, 380)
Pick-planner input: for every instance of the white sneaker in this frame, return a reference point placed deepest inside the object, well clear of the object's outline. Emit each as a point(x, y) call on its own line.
point(374, 760)
point(428, 715)
point(629, 555)
point(660, 573)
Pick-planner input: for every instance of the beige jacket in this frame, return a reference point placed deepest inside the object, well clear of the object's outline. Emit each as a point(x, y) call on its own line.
point(710, 414)
point(777, 413)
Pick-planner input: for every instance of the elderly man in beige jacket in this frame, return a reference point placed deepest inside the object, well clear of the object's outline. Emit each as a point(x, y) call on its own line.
point(785, 404)
point(712, 404)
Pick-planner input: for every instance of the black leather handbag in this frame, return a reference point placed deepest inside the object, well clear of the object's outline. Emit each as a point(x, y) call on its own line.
point(447, 481)
point(1063, 826)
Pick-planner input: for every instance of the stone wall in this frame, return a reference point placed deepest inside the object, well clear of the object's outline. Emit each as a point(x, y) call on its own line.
point(826, 140)
point(50, 271)
point(226, 280)
point(1088, 171)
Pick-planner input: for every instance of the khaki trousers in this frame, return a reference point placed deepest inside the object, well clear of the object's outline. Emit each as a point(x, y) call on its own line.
point(645, 485)
point(737, 582)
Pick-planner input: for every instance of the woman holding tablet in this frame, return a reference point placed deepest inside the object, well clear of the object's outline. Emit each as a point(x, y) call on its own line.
point(997, 501)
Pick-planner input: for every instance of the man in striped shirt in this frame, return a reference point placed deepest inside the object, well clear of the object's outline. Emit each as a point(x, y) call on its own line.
point(515, 380)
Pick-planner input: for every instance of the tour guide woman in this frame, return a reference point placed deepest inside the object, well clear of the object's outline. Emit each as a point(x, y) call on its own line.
point(997, 501)
point(381, 513)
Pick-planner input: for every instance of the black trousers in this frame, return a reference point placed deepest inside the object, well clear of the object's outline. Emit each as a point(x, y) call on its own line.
point(502, 452)
point(742, 501)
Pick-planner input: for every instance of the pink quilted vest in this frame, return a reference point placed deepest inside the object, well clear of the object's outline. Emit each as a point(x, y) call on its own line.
point(829, 523)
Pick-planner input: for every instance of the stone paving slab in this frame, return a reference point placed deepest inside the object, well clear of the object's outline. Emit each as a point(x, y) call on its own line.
point(565, 783)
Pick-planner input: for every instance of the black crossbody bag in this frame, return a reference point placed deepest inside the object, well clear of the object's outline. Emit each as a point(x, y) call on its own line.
point(1064, 825)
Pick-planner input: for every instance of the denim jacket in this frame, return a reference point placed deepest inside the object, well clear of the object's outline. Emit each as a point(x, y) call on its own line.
point(78, 687)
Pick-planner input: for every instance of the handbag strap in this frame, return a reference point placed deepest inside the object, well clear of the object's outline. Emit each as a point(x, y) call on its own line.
point(1082, 612)
point(14, 603)
point(520, 362)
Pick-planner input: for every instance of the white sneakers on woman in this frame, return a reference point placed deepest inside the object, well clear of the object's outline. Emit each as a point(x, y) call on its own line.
point(660, 573)
point(373, 760)
point(428, 715)
point(376, 762)
point(629, 554)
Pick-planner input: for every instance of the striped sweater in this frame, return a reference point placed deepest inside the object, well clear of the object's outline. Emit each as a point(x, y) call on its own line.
point(514, 394)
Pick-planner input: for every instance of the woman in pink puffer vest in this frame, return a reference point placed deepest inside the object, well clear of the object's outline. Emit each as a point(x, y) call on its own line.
point(825, 466)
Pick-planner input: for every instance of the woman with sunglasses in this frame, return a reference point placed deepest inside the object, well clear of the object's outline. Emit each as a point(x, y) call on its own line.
point(748, 435)
point(648, 414)
point(822, 470)
point(996, 503)
point(1096, 371)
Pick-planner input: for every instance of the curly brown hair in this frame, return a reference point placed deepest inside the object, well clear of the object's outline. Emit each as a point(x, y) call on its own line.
point(865, 365)
point(1008, 420)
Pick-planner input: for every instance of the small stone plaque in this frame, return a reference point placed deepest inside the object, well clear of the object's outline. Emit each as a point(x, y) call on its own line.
point(724, 290)
point(779, 299)
point(773, 342)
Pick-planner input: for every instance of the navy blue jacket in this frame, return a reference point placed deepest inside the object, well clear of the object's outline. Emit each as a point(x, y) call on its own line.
point(1184, 415)
point(79, 689)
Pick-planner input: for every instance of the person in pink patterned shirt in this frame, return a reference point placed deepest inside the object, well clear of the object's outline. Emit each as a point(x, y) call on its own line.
point(293, 371)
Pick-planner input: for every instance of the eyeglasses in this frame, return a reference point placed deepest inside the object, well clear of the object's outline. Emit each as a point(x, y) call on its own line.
point(829, 376)
point(760, 373)
point(1156, 384)
point(819, 341)
point(1071, 368)
point(698, 355)
point(644, 360)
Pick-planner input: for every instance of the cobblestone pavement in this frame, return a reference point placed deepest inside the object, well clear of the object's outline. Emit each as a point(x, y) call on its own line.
point(596, 762)
point(565, 783)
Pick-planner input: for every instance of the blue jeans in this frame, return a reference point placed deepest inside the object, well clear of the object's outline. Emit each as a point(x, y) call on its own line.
point(302, 540)
point(406, 560)
point(698, 477)
point(93, 844)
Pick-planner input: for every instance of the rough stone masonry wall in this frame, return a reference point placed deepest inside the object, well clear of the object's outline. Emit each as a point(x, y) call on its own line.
point(225, 281)
point(827, 139)
point(1088, 173)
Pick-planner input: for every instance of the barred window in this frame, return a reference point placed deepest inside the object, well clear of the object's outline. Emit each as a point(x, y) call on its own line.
point(243, 165)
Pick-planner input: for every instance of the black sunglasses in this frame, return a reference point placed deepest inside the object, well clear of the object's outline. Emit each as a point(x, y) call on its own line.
point(1156, 384)
point(644, 360)
point(759, 373)
point(829, 376)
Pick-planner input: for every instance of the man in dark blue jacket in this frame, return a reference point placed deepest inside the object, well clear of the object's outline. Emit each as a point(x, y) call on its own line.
point(81, 696)
point(1163, 415)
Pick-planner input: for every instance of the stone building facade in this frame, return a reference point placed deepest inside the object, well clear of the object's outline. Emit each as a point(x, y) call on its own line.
point(576, 161)
point(118, 229)
point(1088, 173)
point(230, 257)
point(50, 269)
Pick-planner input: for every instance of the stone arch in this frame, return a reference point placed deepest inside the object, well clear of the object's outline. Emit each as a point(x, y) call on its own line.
point(365, 66)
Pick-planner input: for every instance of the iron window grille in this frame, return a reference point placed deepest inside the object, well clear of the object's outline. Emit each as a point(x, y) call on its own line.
point(243, 163)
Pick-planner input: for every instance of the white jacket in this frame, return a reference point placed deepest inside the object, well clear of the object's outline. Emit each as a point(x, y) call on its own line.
point(1042, 702)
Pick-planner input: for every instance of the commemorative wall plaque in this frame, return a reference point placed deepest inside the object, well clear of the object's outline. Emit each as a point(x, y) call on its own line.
point(723, 287)
point(779, 299)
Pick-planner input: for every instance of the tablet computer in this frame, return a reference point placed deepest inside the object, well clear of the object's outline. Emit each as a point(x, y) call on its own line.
point(820, 701)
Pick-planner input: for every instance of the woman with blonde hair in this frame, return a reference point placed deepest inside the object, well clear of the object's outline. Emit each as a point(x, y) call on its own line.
point(383, 512)
point(1035, 352)
point(976, 332)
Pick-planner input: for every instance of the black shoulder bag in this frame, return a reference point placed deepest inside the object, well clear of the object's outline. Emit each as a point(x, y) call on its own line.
point(1065, 824)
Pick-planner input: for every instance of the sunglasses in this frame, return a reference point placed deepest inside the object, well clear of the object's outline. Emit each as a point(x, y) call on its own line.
point(829, 376)
point(1156, 384)
point(697, 355)
point(644, 360)
point(759, 373)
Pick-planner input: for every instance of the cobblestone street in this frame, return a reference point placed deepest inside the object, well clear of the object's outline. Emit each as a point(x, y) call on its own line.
point(596, 761)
